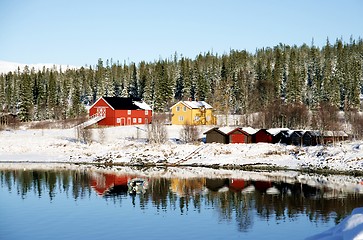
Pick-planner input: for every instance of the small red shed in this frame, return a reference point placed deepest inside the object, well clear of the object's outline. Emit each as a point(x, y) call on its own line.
point(117, 111)
point(238, 135)
point(263, 135)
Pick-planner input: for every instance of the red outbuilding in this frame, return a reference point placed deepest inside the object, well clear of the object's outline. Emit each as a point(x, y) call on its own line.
point(117, 111)
point(241, 135)
point(263, 135)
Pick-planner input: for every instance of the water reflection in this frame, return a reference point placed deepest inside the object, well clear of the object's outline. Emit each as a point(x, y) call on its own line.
point(238, 199)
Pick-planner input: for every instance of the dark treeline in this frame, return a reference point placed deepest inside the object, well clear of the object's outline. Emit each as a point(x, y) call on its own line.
point(282, 81)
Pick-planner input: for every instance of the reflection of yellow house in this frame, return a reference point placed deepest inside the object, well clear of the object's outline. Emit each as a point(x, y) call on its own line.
point(192, 112)
point(187, 187)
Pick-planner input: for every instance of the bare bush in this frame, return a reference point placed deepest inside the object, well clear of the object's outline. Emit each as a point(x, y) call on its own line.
point(356, 121)
point(83, 135)
point(156, 130)
point(326, 118)
point(101, 135)
point(189, 133)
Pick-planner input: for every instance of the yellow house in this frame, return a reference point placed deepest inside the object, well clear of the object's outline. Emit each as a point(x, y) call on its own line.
point(192, 112)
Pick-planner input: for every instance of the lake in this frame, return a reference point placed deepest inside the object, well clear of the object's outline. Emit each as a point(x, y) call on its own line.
point(88, 202)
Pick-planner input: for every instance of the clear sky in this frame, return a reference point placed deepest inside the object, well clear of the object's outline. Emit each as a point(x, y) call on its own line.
point(78, 32)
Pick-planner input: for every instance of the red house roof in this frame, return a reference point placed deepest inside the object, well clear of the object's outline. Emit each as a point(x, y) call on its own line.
point(119, 103)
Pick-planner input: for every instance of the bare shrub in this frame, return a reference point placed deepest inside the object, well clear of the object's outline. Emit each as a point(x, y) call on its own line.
point(101, 135)
point(156, 130)
point(189, 133)
point(83, 135)
point(356, 121)
point(326, 118)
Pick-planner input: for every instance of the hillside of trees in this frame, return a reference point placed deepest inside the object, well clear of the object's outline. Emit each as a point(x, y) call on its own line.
point(290, 86)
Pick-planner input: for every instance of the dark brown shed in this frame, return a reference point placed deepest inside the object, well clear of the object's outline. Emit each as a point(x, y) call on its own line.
point(215, 135)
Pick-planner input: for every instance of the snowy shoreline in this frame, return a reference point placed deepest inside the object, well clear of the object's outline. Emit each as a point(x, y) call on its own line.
point(126, 146)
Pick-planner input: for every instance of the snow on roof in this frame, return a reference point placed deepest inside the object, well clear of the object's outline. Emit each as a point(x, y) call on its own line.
point(274, 131)
point(142, 105)
point(226, 130)
point(197, 104)
point(249, 130)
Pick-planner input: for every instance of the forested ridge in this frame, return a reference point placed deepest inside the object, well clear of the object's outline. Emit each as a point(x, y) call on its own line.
point(296, 79)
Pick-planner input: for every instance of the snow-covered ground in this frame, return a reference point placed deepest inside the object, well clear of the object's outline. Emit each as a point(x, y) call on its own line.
point(127, 145)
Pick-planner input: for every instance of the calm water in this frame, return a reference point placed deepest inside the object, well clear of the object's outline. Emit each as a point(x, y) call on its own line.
point(97, 204)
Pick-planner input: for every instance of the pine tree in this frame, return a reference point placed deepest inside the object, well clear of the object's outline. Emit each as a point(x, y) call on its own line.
point(101, 86)
point(134, 86)
point(293, 87)
point(143, 78)
point(26, 96)
point(2, 93)
point(76, 108)
point(179, 85)
point(330, 83)
point(163, 87)
point(341, 73)
point(52, 96)
point(277, 72)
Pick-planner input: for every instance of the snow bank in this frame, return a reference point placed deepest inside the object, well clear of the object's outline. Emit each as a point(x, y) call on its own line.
point(350, 228)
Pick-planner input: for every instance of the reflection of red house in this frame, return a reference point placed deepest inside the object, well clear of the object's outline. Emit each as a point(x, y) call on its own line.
point(121, 111)
point(262, 185)
point(237, 184)
point(101, 183)
point(263, 135)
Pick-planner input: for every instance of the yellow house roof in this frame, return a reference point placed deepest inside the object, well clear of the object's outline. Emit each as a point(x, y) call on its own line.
point(194, 104)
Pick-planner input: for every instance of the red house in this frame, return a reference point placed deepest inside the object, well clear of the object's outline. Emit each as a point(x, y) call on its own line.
point(116, 111)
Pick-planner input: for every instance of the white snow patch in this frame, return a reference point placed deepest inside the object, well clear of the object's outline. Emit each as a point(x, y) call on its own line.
point(350, 228)
point(6, 67)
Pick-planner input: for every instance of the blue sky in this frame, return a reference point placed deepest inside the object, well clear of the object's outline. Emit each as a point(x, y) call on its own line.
point(78, 32)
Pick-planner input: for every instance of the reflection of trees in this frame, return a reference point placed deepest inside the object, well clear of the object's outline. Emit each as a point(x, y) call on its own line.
point(46, 182)
point(183, 195)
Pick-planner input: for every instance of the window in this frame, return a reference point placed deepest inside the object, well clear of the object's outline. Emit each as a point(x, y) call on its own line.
point(128, 112)
point(140, 120)
point(196, 118)
point(146, 112)
point(208, 118)
point(181, 118)
point(184, 108)
point(134, 120)
point(118, 120)
point(177, 108)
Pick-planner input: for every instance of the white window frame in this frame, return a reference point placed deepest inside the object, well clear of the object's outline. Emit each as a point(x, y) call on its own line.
point(118, 120)
point(139, 120)
point(184, 108)
point(134, 120)
point(146, 112)
point(181, 118)
point(128, 112)
point(177, 108)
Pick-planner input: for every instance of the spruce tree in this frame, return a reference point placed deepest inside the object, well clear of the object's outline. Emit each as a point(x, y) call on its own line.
point(134, 86)
point(2, 93)
point(26, 96)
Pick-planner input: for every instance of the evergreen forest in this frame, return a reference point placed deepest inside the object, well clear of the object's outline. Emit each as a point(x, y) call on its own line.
point(291, 86)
